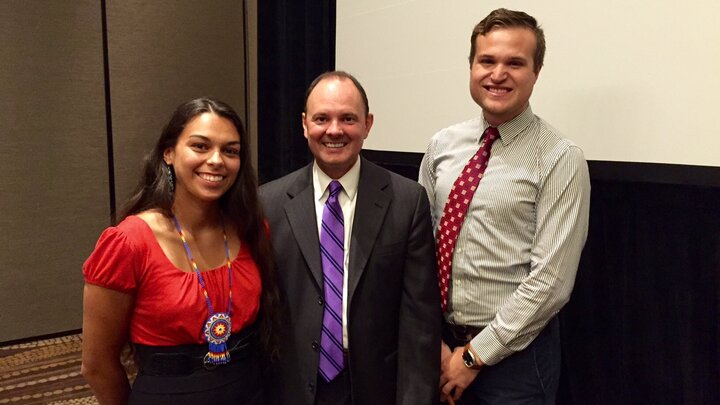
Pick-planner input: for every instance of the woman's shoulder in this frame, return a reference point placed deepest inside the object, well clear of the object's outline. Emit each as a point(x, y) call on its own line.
point(118, 256)
point(125, 234)
point(138, 231)
point(152, 218)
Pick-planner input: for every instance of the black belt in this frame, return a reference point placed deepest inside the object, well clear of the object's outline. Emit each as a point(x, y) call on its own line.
point(462, 333)
point(186, 359)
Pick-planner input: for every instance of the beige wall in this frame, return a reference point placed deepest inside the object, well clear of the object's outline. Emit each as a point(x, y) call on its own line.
point(162, 53)
point(54, 186)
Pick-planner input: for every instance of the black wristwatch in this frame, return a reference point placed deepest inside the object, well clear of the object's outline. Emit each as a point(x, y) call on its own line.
point(469, 359)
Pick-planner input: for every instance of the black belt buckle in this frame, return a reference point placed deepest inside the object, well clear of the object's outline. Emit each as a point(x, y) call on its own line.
point(467, 335)
point(463, 333)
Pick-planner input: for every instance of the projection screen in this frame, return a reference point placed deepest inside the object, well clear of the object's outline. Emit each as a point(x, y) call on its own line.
point(627, 81)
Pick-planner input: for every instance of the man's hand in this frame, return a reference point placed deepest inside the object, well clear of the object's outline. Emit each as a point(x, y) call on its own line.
point(445, 355)
point(456, 376)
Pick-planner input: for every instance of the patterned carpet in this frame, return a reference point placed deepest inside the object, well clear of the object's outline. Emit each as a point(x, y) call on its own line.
point(43, 372)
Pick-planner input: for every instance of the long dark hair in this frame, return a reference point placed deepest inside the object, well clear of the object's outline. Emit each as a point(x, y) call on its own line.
point(239, 205)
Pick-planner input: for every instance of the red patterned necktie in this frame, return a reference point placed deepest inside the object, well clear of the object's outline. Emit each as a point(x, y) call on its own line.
point(455, 209)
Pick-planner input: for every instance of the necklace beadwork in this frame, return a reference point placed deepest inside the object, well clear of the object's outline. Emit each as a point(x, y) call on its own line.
point(218, 326)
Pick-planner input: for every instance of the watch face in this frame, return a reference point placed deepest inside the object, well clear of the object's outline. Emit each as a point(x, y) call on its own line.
point(468, 359)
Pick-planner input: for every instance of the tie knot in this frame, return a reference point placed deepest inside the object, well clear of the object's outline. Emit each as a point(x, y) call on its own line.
point(491, 134)
point(334, 188)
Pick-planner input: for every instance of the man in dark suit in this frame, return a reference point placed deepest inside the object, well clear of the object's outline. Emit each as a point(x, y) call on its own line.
point(385, 299)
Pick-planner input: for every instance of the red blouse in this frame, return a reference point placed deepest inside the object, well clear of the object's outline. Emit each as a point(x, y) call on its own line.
point(169, 306)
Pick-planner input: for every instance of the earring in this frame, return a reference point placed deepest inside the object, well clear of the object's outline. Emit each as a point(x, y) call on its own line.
point(171, 177)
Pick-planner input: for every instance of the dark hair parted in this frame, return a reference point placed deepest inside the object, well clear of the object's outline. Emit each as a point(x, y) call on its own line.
point(504, 18)
point(239, 205)
point(338, 74)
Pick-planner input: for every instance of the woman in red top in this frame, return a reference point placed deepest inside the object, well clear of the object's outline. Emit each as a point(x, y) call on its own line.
point(186, 276)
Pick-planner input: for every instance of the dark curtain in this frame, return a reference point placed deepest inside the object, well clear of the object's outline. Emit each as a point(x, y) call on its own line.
point(643, 323)
point(296, 42)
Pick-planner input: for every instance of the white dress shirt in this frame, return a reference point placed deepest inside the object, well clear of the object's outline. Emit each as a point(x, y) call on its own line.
point(519, 247)
point(346, 198)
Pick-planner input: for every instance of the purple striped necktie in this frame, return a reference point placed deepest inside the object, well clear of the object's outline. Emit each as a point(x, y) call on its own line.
point(332, 246)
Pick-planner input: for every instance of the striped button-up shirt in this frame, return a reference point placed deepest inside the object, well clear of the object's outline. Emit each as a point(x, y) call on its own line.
point(519, 247)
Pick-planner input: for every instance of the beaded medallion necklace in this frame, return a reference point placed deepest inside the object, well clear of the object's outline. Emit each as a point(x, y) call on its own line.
point(218, 326)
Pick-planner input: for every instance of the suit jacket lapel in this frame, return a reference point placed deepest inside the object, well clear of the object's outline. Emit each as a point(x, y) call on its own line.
point(300, 211)
point(370, 208)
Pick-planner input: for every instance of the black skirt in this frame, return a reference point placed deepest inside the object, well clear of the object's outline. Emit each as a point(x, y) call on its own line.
point(176, 375)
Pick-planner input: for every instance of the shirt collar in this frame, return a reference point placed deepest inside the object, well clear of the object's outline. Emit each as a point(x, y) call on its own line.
point(511, 129)
point(349, 181)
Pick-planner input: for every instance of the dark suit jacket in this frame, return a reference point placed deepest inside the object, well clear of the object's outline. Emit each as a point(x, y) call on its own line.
point(393, 300)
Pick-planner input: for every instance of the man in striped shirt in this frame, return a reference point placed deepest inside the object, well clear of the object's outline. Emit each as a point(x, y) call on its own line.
point(519, 245)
